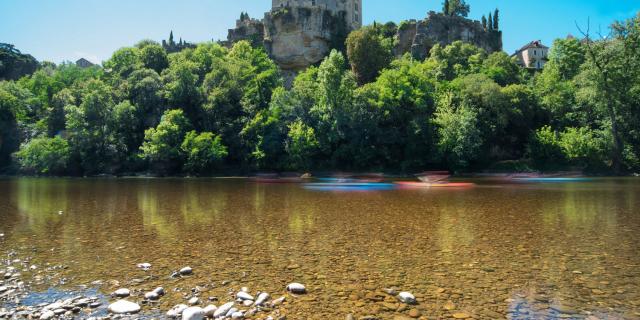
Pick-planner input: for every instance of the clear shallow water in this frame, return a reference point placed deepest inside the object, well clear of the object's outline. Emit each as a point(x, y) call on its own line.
point(560, 250)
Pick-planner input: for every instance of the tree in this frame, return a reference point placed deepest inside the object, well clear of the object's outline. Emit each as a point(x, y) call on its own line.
point(123, 62)
point(456, 59)
point(458, 8)
point(44, 156)
point(484, 22)
point(367, 54)
point(496, 20)
point(203, 151)
point(459, 139)
point(545, 149)
point(501, 68)
point(301, 145)
point(154, 57)
point(163, 145)
point(567, 56)
point(490, 22)
point(14, 64)
point(445, 7)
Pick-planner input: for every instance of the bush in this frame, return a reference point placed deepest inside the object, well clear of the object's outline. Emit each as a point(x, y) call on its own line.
point(583, 147)
point(545, 150)
point(203, 151)
point(44, 156)
point(162, 144)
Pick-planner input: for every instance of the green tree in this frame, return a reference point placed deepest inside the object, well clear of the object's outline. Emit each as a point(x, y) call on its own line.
point(545, 149)
point(44, 156)
point(123, 62)
point(484, 22)
point(456, 59)
point(154, 57)
point(301, 145)
point(445, 7)
point(459, 138)
point(566, 56)
point(458, 8)
point(162, 145)
point(501, 68)
point(496, 20)
point(203, 152)
point(367, 53)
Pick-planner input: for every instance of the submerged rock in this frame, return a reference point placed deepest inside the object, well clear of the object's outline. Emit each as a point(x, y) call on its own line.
point(406, 297)
point(144, 266)
point(262, 298)
point(296, 288)
point(153, 296)
point(209, 310)
point(123, 306)
point(193, 313)
point(244, 296)
point(47, 315)
point(186, 271)
point(122, 293)
point(223, 310)
point(176, 311)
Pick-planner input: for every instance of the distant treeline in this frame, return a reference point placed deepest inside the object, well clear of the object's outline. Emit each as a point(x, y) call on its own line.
point(209, 109)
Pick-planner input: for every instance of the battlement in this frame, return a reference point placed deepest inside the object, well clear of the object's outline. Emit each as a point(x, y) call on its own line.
point(352, 8)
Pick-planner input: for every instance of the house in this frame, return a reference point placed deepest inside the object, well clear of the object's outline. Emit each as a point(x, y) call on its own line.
point(84, 63)
point(534, 55)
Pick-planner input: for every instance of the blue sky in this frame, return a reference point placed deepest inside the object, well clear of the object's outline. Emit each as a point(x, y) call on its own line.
point(58, 30)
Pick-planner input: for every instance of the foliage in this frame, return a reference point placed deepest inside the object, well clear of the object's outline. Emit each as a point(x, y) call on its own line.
point(459, 136)
point(203, 151)
point(163, 145)
point(301, 145)
point(44, 156)
point(368, 53)
point(457, 8)
point(14, 64)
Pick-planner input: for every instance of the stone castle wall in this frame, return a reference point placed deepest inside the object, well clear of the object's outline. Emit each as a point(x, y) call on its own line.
point(418, 37)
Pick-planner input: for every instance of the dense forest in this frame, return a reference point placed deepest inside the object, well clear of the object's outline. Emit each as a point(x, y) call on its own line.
point(212, 110)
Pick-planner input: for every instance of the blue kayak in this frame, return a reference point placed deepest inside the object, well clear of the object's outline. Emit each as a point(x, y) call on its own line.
point(350, 186)
point(552, 180)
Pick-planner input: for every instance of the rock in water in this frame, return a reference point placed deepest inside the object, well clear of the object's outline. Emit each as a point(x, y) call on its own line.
point(47, 315)
point(193, 313)
point(123, 306)
point(159, 291)
point(296, 288)
point(244, 296)
point(193, 301)
point(237, 315)
point(153, 296)
point(186, 271)
point(176, 311)
point(144, 266)
point(262, 298)
point(122, 293)
point(209, 310)
point(223, 309)
point(406, 297)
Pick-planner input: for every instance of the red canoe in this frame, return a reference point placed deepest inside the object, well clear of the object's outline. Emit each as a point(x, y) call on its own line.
point(413, 184)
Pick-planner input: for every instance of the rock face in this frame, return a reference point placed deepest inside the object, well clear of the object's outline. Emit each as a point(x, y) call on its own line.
point(418, 37)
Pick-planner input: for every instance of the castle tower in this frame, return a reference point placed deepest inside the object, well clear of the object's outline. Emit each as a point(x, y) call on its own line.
point(352, 8)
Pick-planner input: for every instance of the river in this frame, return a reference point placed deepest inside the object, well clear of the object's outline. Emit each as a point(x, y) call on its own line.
point(496, 250)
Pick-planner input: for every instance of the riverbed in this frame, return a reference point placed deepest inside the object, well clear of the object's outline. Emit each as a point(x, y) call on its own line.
point(497, 250)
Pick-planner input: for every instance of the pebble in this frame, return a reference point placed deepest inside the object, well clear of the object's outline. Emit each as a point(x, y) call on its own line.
point(159, 291)
point(223, 309)
point(47, 315)
point(122, 293)
point(153, 296)
point(193, 313)
point(414, 313)
point(406, 297)
point(186, 271)
point(237, 315)
point(262, 298)
point(564, 309)
point(461, 315)
point(296, 288)
point(144, 266)
point(244, 296)
point(209, 310)
point(278, 301)
point(123, 306)
point(176, 310)
point(193, 301)
point(3, 289)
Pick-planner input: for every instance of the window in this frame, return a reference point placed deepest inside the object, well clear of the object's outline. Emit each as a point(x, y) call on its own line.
point(313, 2)
point(535, 53)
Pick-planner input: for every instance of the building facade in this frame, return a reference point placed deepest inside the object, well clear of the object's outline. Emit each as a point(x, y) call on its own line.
point(84, 63)
point(353, 8)
point(534, 55)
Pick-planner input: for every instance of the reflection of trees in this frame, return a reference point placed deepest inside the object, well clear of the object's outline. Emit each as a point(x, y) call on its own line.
point(202, 202)
point(455, 226)
point(149, 204)
point(40, 200)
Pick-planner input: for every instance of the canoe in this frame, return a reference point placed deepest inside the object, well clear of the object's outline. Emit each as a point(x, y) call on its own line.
point(413, 184)
point(349, 186)
point(550, 180)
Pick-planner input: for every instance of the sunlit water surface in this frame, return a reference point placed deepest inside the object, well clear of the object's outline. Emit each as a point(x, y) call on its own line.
point(558, 250)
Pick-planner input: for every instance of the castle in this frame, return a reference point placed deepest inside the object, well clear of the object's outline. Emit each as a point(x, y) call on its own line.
point(299, 33)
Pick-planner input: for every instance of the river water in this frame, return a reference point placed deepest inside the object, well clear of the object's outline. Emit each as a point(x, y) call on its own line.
point(520, 251)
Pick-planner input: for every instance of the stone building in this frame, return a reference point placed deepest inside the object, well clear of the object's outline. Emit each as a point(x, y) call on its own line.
point(418, 37)
point(534, 55)
point(352, 8)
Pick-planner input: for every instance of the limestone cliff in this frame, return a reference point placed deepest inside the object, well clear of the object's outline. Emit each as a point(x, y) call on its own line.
point(418, 37)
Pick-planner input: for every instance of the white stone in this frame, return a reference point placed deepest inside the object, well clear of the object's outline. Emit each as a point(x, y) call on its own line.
point(231, 311)
point(151, 296)
point(247, 303)
point(244, 289)
point(3, 289)
point(144, 266)
point(278, 301)
point(123, 306)
point(47, 315)
point(237, 315)
point(159, 291)
point(122, 293)
point(244, 296)
point(193, 301)
point(262, 298)
point(186, 271)
point(407, 298)
point(193, 313)
point(176, 310)
point(223, 309)
point(209, 310)
point(296, 288)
